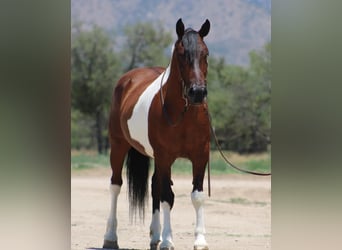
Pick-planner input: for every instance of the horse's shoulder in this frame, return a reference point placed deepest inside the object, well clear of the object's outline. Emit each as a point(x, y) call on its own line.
point(146, 71)
point(140, 76)
point(157, 70)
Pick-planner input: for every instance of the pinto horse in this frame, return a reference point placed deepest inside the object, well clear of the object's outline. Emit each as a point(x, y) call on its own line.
point(161, 114)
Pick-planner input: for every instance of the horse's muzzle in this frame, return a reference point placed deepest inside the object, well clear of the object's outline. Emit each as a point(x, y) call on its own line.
point(197, 94)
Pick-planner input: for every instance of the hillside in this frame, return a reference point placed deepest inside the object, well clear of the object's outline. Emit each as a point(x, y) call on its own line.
point(237, 26)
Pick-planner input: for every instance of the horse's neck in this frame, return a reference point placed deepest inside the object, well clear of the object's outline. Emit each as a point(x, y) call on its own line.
point(174, 91)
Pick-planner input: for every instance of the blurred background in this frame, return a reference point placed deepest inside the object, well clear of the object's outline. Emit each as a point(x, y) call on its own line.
point(109, 38)
point(306, 121)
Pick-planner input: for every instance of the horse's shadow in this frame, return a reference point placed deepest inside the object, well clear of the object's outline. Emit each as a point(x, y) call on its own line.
point(96, 248)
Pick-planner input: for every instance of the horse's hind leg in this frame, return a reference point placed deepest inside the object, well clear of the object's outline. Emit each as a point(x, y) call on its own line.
point(117, 155)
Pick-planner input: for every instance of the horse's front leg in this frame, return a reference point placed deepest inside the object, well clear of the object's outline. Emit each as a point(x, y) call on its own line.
point(162, 185)
point(155, 228)
point(198, 199)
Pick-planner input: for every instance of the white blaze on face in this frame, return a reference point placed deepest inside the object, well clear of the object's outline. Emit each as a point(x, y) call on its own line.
point(197, 69)
point(138, 123)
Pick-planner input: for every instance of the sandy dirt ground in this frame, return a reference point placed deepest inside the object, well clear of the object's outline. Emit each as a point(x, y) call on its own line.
point(237, 215)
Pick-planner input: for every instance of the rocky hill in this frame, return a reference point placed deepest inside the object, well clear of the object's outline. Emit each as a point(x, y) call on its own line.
point(237, 26)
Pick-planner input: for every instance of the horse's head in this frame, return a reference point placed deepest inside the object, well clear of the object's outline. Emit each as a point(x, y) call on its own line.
point(192, 53)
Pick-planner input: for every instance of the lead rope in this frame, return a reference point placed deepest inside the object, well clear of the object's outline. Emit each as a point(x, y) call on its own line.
point(209, 187)
point(225, 158)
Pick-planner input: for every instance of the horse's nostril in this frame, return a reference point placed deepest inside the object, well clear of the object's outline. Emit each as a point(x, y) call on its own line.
point(191, 92)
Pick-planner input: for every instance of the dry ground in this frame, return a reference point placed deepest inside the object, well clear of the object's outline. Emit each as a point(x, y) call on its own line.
point(237, 215)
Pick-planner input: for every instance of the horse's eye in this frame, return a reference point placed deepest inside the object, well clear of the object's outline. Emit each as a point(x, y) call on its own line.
point(205, 55)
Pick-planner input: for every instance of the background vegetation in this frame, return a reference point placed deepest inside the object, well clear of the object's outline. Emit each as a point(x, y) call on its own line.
point(239, 97)
point(91, 160)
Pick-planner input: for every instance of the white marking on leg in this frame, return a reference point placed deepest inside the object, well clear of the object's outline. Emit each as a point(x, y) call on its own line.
point(155, 228)
point(198, 199)
point(111, 234)
point(197, 69)
point(167, 231)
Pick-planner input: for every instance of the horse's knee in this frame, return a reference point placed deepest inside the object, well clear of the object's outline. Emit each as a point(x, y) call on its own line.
point(115, 189)
point(167, 193)
point(116, 180)
point(169, 197)
point(169, 200)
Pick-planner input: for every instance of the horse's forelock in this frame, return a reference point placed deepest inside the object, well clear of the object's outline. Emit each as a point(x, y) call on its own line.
point(190, 43)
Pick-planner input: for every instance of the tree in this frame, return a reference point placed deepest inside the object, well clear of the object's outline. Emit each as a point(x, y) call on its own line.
point(81, 130)
point(225, 105)
point(240, 102)
point(260, 70)
point(94, 70)
point(145, 45)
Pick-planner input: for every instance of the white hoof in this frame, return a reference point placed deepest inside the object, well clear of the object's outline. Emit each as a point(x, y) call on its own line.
point(200, 243)
point(110, 244)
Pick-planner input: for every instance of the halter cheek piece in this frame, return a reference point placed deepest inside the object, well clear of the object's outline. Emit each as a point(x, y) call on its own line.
point(184, 94)
point(186, 105)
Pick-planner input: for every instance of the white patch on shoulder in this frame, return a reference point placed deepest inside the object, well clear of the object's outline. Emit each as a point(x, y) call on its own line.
point(138, 123)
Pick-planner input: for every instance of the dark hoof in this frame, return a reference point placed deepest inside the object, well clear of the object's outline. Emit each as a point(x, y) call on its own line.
point(167, 248)
point(155, 246)
point(201, 248)
point(110, 244)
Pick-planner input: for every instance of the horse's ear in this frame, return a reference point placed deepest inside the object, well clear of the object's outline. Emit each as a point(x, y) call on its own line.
point(180, 28)
point(204, 29)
